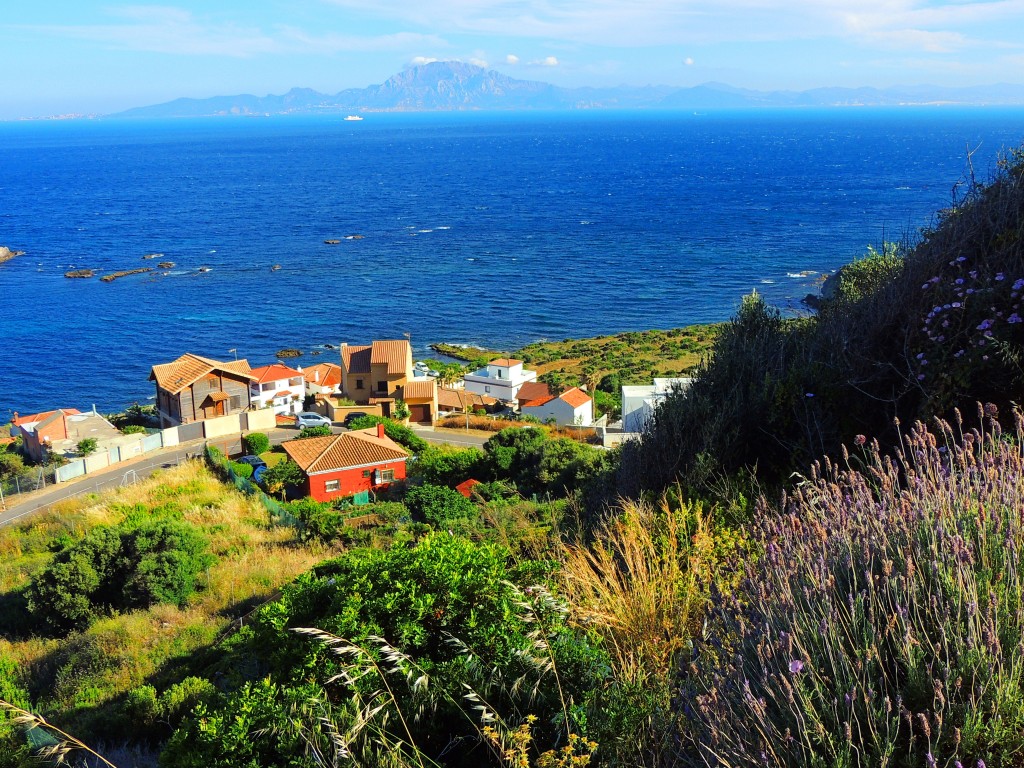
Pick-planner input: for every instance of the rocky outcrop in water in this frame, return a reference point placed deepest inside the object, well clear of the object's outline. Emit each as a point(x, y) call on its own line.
point(289, 353)
point(124, 273)
point(6, 254)
point(80, 273)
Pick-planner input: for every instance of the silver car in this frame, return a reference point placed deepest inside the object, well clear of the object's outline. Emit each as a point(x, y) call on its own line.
point(311, 419)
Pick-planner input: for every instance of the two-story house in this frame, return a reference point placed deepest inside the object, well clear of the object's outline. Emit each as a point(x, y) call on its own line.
point(501, 379)
point(194, 388)
point(322, 379)
point(381, 373)
point(279, 387)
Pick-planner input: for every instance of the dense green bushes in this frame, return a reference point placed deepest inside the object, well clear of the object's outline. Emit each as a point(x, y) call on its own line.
point(133, 565)
point(447, 612)
point(902, 335)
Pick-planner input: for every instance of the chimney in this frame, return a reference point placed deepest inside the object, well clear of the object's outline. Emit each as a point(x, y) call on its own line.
point(316, 376)
point(380, 430)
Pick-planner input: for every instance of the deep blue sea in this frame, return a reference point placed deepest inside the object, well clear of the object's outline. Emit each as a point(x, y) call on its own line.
point(491, 229)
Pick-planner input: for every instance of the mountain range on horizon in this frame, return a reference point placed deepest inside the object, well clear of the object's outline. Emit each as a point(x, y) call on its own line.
point(453, 86)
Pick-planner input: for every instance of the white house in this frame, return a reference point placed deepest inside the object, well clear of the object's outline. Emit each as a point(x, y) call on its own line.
point(501, 379)
point(322, 379)
point(571, 408)
point(639, 402)
point(279, 387)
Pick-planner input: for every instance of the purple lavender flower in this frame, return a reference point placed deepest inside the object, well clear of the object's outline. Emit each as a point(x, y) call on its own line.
point(985, 325)
point(1000, 276)
point(796, 666)
point(1018, 283)
point(1014, 318)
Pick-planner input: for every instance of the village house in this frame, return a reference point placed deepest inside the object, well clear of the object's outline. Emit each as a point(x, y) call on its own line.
point(381, 373)
point(194, 388)
point(338, 466)
point(500, 379)
point(277, 387)
point(322, 379)
point(451, 400)
point(640, 402)
point(59, 431)
point(574, 407)
point(533, 393)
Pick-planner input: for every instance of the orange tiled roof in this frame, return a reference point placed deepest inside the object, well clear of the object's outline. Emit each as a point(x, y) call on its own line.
point(274, 372)
point(356, 358)
point(349, 449)
point(395, 354)
point(419, 390)
point(505, 362)
point(466, 487)
point(459, 398)
point(537, 401)
point(330, 374)
point(533, 390)
point(177, 375)
point(37, 417)
point(575, 397)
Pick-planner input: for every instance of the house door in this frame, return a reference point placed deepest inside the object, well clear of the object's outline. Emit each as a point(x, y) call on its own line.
point(419, 413)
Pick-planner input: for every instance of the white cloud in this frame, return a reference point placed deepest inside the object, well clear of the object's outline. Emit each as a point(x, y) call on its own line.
point(158, 29)
point(512, 59)
point(548, 61)
point(418, 61)
point(688, 61)
point(477, 62)
point(639, 23)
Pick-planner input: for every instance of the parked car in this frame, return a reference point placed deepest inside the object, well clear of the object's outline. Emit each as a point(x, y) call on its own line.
point(352, 416)
point(311, 419)
point(259, 466)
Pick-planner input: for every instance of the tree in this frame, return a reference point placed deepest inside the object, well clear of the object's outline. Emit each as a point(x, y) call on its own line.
point(278, 477)
point(11, 464)
point(400, 433)
point(401, 411)
point(320, 430)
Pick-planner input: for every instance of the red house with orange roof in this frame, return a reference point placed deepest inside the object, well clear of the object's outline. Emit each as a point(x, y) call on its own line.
point(344, 465)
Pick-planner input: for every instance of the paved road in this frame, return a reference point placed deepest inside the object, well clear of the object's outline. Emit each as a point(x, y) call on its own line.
point(129, 472)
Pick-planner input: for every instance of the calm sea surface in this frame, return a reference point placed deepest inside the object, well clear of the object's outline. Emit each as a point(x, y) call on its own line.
point(489, 229)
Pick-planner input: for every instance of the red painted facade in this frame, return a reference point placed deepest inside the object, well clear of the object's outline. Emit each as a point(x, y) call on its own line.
point(352, 480)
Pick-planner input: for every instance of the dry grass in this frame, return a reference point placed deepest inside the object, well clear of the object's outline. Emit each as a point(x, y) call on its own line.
point(643, 584)
point(91, 669)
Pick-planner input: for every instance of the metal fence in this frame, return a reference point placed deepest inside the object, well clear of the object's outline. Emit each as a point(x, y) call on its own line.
point(26, 482)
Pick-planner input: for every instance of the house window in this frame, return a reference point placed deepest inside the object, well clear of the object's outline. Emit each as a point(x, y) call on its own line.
point(212, 383)
point(332, 486)
point(236, 402)
point(382, 386)
point(387, 476)
point(499, 373)
point(366, 473)
point(487, 389)
point(359, 383)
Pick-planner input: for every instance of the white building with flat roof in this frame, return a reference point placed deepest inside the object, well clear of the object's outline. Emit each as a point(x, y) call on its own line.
point(639, 402)
point(501, 379)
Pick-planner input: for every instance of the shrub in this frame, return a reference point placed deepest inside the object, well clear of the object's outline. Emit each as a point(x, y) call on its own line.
point(255, 444)
point(320, 430)
point(87, 446)
point(133, 429)
point(881, 623)
point(118, 568)
point(241, 470)
point(400, 433)
point(447, 464)
point(438, 505)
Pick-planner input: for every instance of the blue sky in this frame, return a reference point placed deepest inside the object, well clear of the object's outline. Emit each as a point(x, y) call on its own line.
point(77, 56)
